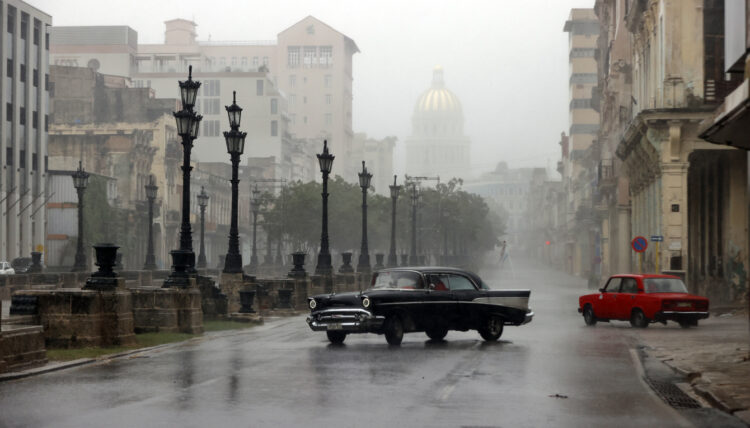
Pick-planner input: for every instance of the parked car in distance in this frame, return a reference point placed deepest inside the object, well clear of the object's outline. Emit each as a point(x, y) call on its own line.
point(643, 299)
point(433, 300)
point(6, 269)
point(21, 264)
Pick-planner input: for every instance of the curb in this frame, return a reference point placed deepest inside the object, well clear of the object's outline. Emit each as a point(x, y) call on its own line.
point(47, 368)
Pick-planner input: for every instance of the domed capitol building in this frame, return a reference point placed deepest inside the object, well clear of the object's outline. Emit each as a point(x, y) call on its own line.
point(437, 145)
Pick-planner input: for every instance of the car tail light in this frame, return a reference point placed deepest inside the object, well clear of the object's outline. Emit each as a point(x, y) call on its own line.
point(701, 305)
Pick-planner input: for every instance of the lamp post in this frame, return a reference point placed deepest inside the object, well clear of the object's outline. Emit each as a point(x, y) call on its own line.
point(235, 146)
point(392, 257)
point(325, 160)
point(202, 203)
point(414, 203)
point(364, 256)
point(80, 182)
point(151, 189)
point(255, 207)
point(188, 122)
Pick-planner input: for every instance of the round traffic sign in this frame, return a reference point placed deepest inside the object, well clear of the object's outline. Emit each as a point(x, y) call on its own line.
point(639, 244)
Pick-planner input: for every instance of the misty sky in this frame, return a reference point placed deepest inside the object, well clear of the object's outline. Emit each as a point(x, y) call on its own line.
point(506, 60)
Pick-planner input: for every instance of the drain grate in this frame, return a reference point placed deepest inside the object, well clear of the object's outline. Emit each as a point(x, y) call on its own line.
point(672, 395)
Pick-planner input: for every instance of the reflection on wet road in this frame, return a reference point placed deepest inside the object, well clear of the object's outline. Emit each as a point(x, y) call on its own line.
point(283, 374)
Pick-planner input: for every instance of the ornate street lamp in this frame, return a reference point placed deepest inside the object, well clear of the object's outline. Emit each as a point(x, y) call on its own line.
point(151, 189)
point(80, 182)
point(325, 160)
point(364, 255)
point(235, 146)
point(188, 123)
point(255, 207)
point(414, 203)
point(392, 257)
point(202, 203)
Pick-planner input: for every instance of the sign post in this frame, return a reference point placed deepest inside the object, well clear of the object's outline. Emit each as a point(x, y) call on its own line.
point(656, 239)
point(639, 245)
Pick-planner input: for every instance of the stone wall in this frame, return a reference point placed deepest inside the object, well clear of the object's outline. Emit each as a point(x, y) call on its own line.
point(21, 347)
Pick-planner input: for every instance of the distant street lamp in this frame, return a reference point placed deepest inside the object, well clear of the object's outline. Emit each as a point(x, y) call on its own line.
point(151, 189)
point(364, 255)
point(80, 182)
point(188, 123)
point(414, 203)
point(325, 160)
point(392, 257)
point(202, 203)
point(235, 146)
point(255, 207)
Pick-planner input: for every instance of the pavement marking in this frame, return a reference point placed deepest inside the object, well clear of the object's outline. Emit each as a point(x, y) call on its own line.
point(447, 392)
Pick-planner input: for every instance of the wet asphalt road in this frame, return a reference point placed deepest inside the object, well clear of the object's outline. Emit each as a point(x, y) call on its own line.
point(283, 374)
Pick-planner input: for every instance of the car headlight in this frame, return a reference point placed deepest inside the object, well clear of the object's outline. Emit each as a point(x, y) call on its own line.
point(366, 302)
point(313, 303)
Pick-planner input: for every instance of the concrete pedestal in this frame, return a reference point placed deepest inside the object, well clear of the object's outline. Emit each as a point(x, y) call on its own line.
point(167, 310)
point(21, 347)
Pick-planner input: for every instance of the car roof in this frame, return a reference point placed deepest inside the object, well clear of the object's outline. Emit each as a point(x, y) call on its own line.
point(432, 269)
point(643, 275)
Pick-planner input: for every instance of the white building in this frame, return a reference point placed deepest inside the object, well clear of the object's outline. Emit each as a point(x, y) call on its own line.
point(23, 140)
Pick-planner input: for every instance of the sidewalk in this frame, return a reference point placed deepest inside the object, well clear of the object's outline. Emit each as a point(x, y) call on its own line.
point(713, 357)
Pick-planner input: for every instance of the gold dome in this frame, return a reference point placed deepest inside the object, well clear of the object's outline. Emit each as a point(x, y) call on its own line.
point(438, 99)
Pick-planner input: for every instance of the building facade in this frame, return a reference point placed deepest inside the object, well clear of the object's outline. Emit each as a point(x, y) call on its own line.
point(23, 140)
point(437, 145)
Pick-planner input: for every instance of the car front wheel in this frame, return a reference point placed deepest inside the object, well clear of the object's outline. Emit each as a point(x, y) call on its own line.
point(588, 315)
point(492, 329)
point(336, 337)
point(394, 330)
point(638, 319)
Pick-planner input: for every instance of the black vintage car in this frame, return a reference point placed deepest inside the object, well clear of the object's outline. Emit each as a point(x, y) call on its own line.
point(413, 299)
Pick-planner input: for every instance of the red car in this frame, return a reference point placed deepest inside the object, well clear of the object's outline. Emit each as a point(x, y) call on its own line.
point(643, 299)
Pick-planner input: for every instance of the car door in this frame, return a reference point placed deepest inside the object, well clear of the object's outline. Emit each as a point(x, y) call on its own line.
point(464, 292)
point(440, 307)
point(604, 306)
point(625, 299)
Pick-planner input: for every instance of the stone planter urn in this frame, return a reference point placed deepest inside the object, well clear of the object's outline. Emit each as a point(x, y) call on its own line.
point(285, 298)
point(298, 271)
point(36, 262)
point(247, 296)
point(105, 278)
point(379, 261)
point(118, 261)
point(346, 258)
point(404, 260)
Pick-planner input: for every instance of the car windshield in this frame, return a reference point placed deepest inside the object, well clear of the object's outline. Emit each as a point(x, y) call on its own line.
point(404, 280)
point(664, 285)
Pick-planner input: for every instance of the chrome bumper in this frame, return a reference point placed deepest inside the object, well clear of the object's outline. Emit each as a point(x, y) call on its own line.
point(348, 320)
point(528, 318)
point(676, 315)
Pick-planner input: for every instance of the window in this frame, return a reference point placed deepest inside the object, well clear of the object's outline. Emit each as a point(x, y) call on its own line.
point(46, 81)
point(222, 61)
point(274, 105)
point(397, 279)
point(328, 80)
point(46, 129)
point(328, 99)
point(9, 156)
point(292, 80)
point(244, 61)
point(293, 56)
point(326, 56)
point(11, 19)
point(9, 68)
point(613, 286)
point(258, 87)
point(329, 118)
point(234, 61)
point(310, 56)
point(255, 61)
point(211, 106)
point(265, 60)
point(211, 88)
point(22, 116)
point(9, 112)
point(629, 285)
point(458, 282)
point(274, 128)
point(35, 77)
point(36, 32)
point(292, 99)
point(24, 26)
point(211, 128)
point(46, 41)
point(34, 119)
point(22, 77)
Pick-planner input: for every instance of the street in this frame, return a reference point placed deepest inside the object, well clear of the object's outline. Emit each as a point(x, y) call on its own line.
point(552, 372)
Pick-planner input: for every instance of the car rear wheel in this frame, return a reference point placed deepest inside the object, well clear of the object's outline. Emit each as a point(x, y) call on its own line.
point(336, 337)
point(588, 315)
point(638, 319)
point(394, 330)
point(492, 329)
point(437, 333)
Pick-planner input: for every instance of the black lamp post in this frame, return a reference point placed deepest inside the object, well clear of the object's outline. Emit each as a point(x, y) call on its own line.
point(325, 160)
point(392, 257)
point(364, 255)
point(151, 189)
point(235, 146)
point(80, 182)
point(202, 203)
point(188, 122)
point(414, 202)
point(255, 207)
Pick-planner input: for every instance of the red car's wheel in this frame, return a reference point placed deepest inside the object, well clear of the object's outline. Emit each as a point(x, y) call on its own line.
point(588, 315)
point(638, 319)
